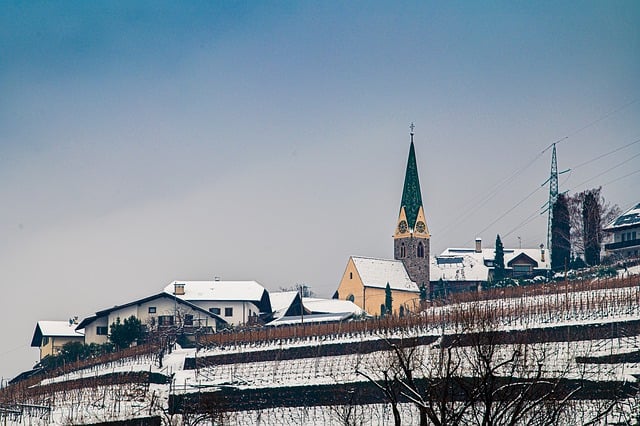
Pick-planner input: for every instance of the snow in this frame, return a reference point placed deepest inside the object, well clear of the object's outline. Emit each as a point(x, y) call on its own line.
point(59, 329)
point(629, 218)
point(378, 272)
point(587, 307)
point(329, 306)
point(219, 290)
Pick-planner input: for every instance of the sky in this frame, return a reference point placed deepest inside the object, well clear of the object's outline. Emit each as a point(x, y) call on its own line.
point(146, 142)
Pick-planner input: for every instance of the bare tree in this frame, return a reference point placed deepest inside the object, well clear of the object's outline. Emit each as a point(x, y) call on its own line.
point(607, 213)
point(476, 377)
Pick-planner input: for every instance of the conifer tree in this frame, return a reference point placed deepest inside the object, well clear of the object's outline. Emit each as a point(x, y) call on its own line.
point(560, 234)
point(591, 228)
point(498, 262)
point(388, 300)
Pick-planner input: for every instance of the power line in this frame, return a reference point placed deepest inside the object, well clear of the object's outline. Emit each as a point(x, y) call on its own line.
point(606, 154)
point(606, 171)
point(621, 177)
point(594, 122)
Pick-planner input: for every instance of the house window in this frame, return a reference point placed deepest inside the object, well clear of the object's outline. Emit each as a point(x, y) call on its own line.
point(165, 320)
point(188, 319)
point(519, 270)
point(102, 330)
point(420, 250)
point(228, 312)
point(152, 309)
point(45, 340)
point(215, 311)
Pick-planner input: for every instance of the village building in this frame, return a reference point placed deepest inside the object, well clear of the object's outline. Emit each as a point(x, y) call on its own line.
point(626, 234)
point(155, 312)
point(50, 336)
point(237, 302)
point(290, 308)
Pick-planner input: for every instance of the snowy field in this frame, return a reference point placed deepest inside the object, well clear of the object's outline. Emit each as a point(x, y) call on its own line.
point(107, 403)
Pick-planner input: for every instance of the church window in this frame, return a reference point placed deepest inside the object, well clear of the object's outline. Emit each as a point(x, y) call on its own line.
point(403, 250)
point(351, 298)
point(420, 250)
point(350, 275)
point(401, 311)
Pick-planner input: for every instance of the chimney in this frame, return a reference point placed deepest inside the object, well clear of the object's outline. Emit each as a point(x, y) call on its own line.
point(478, 245)
point(178, 289)
point(216, 278)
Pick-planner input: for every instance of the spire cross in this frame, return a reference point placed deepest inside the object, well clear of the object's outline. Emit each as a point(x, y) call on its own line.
point(412, 127)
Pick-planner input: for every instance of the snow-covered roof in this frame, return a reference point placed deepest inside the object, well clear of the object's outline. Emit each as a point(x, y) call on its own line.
point(307, 319)
point(627, 219)
point(331, 306)
point(458, 268)
point(378, 272)
point(55, 329)
point(488, 254)
point(165, 294)
point(281, 302)
point(282, 299)
point(219, 290)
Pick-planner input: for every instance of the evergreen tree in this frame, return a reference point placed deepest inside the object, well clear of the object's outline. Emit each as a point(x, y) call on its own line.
point(124, 334)
point(498, 261)
point(388, 300)
point(591, 228)
point(560, 234)
point(423, 293)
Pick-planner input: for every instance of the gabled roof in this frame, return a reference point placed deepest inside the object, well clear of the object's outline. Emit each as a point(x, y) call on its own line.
point(522, 256)
point(85, 322)
point(627, 219)
point(378, 272)
point(54, 329)
point(286, 303)
point(411, 196)
point(230, 291)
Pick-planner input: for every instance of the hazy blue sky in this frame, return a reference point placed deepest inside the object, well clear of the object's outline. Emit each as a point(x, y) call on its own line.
point(143, 142)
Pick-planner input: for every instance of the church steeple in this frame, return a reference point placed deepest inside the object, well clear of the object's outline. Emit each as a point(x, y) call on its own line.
point(411, 241)
point(411, 196)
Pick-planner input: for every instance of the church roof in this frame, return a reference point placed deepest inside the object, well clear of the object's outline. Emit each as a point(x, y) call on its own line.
point(378, 272)
point(411, 196)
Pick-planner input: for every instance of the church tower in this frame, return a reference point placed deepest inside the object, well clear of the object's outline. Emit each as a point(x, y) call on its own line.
point(411, 239)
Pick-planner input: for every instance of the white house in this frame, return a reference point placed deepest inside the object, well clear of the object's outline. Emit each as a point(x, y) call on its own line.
point(626, 234)
point(157, 311)
point(50, 336)
point(237, 302)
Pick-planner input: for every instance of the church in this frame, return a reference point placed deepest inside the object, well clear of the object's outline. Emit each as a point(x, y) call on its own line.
point(365, 279)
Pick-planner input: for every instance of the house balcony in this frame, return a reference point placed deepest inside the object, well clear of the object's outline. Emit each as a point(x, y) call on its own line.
point(622, 244)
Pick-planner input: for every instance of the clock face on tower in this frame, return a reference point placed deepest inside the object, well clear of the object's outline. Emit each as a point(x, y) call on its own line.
point(402, 226)
point(420, 226)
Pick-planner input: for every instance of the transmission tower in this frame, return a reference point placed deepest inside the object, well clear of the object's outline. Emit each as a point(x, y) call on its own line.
point(553, 195)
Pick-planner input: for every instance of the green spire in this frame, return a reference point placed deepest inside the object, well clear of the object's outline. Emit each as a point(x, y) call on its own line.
point(411, 197)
